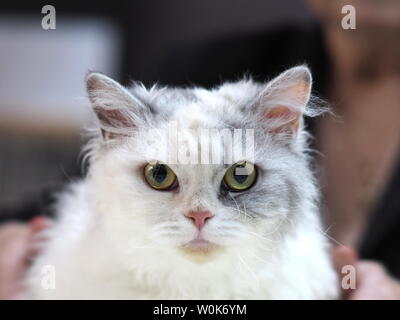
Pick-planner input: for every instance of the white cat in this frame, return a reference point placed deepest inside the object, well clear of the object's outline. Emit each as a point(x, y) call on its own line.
point(137, 227)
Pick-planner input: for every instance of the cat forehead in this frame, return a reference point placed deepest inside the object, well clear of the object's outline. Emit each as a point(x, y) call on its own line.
point(167, 100)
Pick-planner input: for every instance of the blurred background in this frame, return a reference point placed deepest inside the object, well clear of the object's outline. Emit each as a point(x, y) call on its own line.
point(43, 104)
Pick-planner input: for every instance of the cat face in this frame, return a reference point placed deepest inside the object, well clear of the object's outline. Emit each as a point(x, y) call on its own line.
point(167, 172)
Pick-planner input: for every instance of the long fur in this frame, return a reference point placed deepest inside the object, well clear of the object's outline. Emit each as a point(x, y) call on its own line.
point(117, 238)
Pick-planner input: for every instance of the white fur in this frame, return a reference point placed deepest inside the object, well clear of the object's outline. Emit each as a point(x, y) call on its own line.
point(116, 238)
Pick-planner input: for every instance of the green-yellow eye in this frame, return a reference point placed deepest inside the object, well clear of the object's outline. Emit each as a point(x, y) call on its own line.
point(240, 176)
point(159, 176)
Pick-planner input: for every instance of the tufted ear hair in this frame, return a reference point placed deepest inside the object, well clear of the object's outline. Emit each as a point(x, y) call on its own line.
point(284, 99)
point(117, 109)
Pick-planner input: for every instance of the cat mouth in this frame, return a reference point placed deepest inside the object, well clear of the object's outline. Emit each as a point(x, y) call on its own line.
point(200, 250)
point(199, 244)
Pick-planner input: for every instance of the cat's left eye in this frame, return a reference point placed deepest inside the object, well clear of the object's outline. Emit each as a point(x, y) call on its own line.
point(160, 177)
point(240, 176)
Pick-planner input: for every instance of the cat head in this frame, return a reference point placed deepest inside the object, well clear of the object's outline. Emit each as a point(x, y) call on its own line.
point(199, 171)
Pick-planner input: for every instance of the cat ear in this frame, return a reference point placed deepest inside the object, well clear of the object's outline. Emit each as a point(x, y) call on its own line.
point(115, 107)
point(284, 99)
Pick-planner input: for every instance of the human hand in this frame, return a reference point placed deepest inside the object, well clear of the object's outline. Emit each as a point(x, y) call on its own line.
point(16, 252)
point(372, 280)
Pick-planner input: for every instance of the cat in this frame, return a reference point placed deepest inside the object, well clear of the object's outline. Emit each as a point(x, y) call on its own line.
point(139, 227)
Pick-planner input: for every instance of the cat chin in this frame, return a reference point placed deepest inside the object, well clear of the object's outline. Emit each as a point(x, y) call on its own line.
point(200, 250)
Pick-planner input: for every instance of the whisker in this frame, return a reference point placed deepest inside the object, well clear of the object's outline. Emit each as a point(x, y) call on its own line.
point(248, 268)
point(245, 211)
point(166, 225)
point(325, 234)
point(161, 233)
point(238, 208)
point(261, 236)
point(258, 258)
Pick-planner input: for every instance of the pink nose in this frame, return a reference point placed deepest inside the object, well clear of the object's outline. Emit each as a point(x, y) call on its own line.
point(199, 217)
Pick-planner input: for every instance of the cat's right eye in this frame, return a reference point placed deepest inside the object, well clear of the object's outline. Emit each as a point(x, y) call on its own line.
point(160, 177)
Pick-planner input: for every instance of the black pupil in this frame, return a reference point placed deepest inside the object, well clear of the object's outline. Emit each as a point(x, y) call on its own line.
point(240, 169)
point(160, 173)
